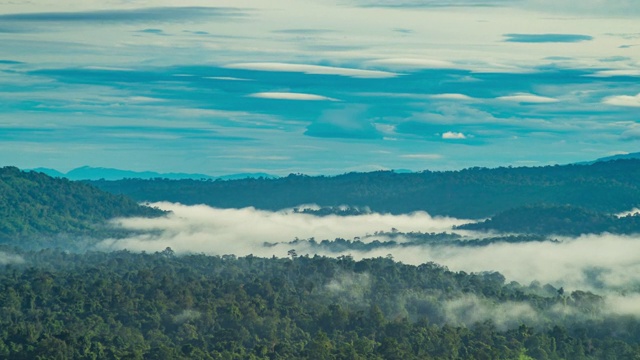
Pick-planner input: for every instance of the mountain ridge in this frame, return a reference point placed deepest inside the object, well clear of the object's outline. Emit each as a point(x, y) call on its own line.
point(99, 173)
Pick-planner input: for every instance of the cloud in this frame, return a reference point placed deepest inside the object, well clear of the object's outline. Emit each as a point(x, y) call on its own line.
point(546, 38)
point(525, 98)
point(623, 100)
point(471, 309)
point(349, 122)
point(412, 63)
point(430, 3)
point(599, 8)
point(601, 263)
point(422, 156)
point(224, 231)
point(613, 73)
point(604, 264)
point(453, 135)
point(313, 70)
point(451, 97)
point(151, 15)
point(631, 134)
point(7, 259)
point(291, 96)
point(152, 31)
point(633, 211)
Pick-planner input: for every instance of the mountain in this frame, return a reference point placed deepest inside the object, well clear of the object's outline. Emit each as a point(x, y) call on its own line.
point(33, 204)
point(556, 220)
point(98, 173)
point(635, 155)
point(608, 187)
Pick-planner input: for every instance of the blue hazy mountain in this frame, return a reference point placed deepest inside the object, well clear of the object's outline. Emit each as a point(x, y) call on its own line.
point(98, 173)
point(635, 155)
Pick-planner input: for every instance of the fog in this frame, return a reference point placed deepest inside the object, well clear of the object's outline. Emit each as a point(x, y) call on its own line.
point(244, 231)
point(6, 259)
point(600, 263)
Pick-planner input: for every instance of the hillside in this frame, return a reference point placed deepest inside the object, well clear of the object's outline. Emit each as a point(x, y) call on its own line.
point(124, 305)
point(34, 204)
point(100, 173)
point(557, 220)
point(608, 187)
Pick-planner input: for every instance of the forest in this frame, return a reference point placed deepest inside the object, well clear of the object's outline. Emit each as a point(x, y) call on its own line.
point(474, 193)
point(123, 305)
point(65, 295)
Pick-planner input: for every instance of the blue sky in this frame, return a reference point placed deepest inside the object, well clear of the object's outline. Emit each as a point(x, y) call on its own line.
point(317, 86)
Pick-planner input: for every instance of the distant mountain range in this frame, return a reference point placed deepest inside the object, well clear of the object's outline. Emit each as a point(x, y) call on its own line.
point(99, 173)
point(635, 155)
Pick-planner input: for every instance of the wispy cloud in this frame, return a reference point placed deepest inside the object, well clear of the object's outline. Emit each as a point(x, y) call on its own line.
point(525, 98)
point(291, 96)
point(422, 156)
point(412, 63)
point(348, 123)
point(623, 100)
point(616, 72)
point(7, 258)
point(313, 70)
point(601, 263)
point(150, 15)
point(546, 38)
point(225, 231)
point(461, 97)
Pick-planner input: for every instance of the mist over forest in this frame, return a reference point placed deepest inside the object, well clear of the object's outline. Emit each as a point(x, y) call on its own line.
point(512, 263)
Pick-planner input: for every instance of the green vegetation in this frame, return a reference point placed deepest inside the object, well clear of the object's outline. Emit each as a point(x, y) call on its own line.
point(607, 187)
point(557, 220)
point(35, 206)
point(121, 305)
point(399, 240)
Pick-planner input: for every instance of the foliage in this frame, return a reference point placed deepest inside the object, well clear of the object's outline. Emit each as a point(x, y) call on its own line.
point(557, 220)
point(34, 205)
point(121, 305)
point(396, 239)
point(608, 187)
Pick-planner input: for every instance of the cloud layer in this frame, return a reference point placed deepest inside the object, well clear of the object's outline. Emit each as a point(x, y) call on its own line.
point(189, 87)
point(604, 263)
point(244, 231)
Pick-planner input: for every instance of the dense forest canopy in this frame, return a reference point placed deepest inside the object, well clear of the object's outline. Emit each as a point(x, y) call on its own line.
point(154, 305)
point(608, 187)
point(33, 204)
point(557, 220)
point(57, 305)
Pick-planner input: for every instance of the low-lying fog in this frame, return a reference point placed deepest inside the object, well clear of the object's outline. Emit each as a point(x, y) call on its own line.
point(600, 263)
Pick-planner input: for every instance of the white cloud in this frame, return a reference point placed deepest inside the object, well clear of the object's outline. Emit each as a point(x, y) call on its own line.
point(422, 156)
point(453, 135)
point(6, 258)
point(225, 78)
point(611, 73)
point(599, 263)
point(451, 97)
point(291, 96)
point(412, 63)
point(623, 100)
point(605, 264)
point(313, 70)
point(633, 211)
point(525, 98)
point(227, 231)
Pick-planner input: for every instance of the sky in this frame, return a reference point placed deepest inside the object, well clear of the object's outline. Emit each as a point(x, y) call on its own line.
point(317, 86)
